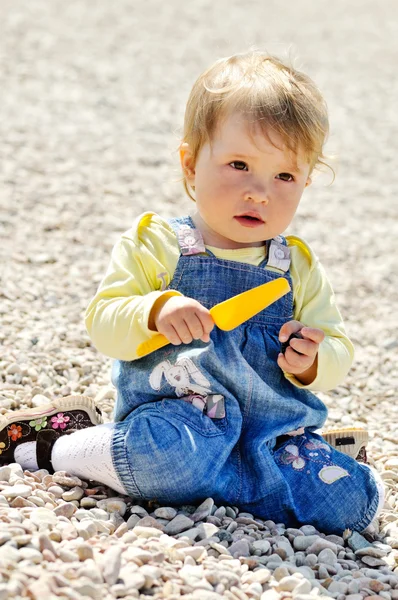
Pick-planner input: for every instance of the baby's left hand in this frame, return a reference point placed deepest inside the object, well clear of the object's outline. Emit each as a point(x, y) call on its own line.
point(301, 354)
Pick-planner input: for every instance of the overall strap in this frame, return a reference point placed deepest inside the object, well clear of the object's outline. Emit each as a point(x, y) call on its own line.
point(189, 237)
point(278, 255)
point(191, 242)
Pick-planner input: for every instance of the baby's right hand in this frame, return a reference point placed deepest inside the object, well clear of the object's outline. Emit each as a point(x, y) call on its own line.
point(182, 320)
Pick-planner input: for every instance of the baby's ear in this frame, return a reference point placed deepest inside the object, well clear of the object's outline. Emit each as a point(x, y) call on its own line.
point(187, 162)
point(308, 182)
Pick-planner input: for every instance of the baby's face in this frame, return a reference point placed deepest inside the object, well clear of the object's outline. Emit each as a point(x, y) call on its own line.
point(247, 189)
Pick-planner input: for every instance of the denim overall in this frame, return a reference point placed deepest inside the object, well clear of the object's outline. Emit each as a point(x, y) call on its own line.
point(211, 419)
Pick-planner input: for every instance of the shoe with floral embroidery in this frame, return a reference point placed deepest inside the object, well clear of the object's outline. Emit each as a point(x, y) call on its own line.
point(45, 425)
point(350, 440)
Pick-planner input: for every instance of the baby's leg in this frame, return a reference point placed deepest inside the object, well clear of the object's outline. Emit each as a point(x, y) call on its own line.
point(88, 454)
point(65, 435)
point(170, 451)
point(329, 489)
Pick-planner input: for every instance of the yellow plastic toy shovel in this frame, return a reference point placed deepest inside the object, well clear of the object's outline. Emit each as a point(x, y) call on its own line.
point(232, 312)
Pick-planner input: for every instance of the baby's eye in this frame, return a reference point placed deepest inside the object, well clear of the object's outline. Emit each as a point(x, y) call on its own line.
point(239, 165)
point(285, 177)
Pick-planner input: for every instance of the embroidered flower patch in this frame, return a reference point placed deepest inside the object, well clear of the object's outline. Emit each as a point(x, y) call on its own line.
point(38, 424)
point(59, 421)
point(291, 456)
point(317, 445)
point(14, 432)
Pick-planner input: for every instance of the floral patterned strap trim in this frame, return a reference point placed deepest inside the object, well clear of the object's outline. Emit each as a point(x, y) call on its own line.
point(190, 240)
point(59, 422)
point(278, 256)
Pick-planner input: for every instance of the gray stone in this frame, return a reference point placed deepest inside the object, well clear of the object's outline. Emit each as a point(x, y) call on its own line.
point(286, 547)
point(239, 548)
point(132, 521)
point(321, 544)
point(302, 542)
point(262, 545)
point(323, 573)
point(306, 571)
point(151, 522)
point(220, 512)
point(311, 560)
point(204, 510)
point(166, 512)
point(353, 587)
point(112, 505)
point(372, 561)
point(371, 551)
point(327, 556)
point(309, 530)
point(138, 510)
point(338, 587)
point(336, 539)
point(178, 524)
point(356, 541)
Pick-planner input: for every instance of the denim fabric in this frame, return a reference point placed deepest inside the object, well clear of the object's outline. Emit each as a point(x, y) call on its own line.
point(168, 449)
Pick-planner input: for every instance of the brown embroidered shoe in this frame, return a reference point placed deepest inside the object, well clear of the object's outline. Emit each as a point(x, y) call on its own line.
point(45, 425)
point(350, 440)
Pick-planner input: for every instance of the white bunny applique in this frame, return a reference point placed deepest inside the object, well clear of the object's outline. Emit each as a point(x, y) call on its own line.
point(179, 375)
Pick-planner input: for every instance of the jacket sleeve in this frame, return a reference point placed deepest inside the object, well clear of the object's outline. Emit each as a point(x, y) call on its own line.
point(315, 306)
point(142, 264)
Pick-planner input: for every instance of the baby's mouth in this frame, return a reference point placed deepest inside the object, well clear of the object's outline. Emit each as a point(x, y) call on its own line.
point(249, 219)
point(251, 214)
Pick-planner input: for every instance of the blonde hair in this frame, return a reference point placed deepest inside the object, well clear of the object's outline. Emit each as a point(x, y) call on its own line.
point(268, 93)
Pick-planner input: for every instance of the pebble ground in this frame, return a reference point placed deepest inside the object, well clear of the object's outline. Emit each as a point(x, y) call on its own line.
point(91, 105)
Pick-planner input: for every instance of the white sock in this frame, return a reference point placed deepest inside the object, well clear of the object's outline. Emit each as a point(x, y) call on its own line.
point(25, 455)
point(87, 454)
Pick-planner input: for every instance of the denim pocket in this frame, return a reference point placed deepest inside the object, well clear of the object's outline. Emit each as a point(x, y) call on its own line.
point(193, 417)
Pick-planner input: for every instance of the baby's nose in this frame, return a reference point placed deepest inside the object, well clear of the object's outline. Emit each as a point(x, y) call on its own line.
point(257, 193)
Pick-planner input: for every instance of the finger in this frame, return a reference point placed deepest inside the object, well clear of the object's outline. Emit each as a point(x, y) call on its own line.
point(297, 361)
point(171, 334)
point(195, 326)
point(288, 328)
point(302, 346)
point(282, 363)
point(206, 320)
point(184, 332)
point(316, 335)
